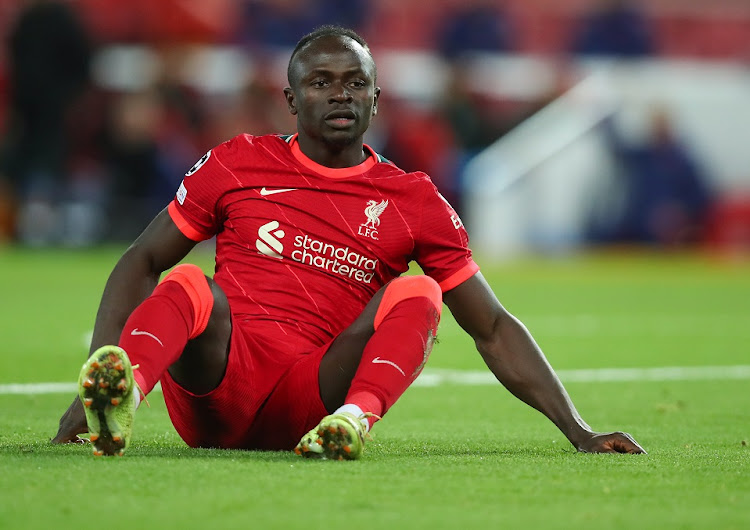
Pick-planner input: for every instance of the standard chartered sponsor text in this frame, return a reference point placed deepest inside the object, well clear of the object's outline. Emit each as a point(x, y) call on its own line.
point(339, 260)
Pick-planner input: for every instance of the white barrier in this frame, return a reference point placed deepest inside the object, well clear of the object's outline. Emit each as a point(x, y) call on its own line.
point(534, 188)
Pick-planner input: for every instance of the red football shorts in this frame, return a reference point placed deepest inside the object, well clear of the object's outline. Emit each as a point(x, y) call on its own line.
point(268, 398)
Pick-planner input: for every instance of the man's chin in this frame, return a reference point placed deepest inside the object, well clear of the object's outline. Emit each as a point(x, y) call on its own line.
point(340, 139)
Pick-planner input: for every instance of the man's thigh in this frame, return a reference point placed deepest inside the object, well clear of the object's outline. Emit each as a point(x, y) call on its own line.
point(293, 407)
point(224, 417)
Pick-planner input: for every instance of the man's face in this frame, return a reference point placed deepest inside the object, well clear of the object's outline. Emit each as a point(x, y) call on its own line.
point(333, 91)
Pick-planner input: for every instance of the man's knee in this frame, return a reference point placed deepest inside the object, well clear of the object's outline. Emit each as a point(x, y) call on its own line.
point(407, 287)
point(207, 299)
point(203, 362)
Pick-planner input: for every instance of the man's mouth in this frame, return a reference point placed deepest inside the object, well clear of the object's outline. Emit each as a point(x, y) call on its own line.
point(340, 119)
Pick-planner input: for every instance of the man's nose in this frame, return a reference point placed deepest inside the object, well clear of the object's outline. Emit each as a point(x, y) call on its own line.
point(339, 93)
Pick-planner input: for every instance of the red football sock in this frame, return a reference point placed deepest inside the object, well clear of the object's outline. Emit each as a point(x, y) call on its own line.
point(395, 355)
point(157, 332)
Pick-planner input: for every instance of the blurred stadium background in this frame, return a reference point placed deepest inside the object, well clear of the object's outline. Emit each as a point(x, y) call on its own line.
point(551, 125)
point(554, 126)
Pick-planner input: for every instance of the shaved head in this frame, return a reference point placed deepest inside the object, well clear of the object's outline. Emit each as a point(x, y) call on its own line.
point(321, 32)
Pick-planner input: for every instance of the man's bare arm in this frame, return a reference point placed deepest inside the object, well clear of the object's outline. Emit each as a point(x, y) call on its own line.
point(513, 356)
point(134, 277)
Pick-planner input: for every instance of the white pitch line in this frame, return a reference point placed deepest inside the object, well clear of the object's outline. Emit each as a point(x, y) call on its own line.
point(595, 375)
point(38, 388)
point(437, 377)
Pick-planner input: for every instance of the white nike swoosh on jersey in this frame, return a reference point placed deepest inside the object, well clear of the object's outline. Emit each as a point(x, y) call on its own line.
point(136, 331)
point(264, 191)
point(378, 360)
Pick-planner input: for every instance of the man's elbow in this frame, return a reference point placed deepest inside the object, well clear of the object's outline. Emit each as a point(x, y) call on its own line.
point(490, 344)
point(138, 260)
point(500, 349)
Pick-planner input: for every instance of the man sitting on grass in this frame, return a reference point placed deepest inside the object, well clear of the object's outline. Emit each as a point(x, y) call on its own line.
point(307, 333)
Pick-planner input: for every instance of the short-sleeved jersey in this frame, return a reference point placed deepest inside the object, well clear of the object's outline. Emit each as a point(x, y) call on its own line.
point(301, 248)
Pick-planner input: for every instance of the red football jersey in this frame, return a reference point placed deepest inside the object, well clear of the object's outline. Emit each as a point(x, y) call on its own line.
point(301, 248)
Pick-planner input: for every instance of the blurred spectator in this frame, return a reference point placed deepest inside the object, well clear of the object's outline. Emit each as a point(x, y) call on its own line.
point(615, 28)
point(666, 196)
point(348, 13)
point(275, 23)
point(49, 54)
point(182, 102)
point(134, 163)
point(259, 109)
point(479, 25)
point(180, 132)
point(281, 23)
point(419, 139)
point(474, 119)
point(472, 124)
point(475, 123)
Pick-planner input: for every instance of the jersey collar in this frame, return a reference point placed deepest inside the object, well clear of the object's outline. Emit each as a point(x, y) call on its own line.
point(330, 172)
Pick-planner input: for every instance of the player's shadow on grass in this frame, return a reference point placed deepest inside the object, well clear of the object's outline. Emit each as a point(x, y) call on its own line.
point(211, 454)
point(44, 448)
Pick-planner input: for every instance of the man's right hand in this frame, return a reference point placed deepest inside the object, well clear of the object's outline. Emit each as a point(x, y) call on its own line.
point(72, 423)
point(161, 246)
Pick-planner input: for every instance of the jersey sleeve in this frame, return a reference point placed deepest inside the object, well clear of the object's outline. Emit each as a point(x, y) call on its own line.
point(442, 244)
point(196, 207)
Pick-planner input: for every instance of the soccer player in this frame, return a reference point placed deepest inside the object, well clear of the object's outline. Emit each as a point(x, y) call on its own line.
point(307, 333)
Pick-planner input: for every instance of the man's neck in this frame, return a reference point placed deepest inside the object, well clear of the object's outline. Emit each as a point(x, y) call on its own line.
point(334, 156)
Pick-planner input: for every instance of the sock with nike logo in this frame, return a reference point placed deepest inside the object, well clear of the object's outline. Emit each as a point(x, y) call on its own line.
point(405, 328)
point(157, 331)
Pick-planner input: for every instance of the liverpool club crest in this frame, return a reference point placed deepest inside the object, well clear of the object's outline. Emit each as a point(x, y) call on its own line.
point(373, 211)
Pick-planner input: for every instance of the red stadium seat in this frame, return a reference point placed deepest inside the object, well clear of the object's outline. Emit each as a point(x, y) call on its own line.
point(729, 224)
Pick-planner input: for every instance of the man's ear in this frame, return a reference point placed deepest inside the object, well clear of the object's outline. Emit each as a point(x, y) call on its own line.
point(375, 101)
point(290, 103)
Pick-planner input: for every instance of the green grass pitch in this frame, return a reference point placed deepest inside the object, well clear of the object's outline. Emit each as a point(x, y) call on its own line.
point(448, 456)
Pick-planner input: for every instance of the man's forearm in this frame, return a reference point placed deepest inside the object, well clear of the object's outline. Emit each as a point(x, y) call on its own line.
point(519, 364)
point(131, 281)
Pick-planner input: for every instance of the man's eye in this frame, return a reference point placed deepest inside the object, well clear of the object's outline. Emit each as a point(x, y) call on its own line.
point(319, 83)
point(358, 84)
